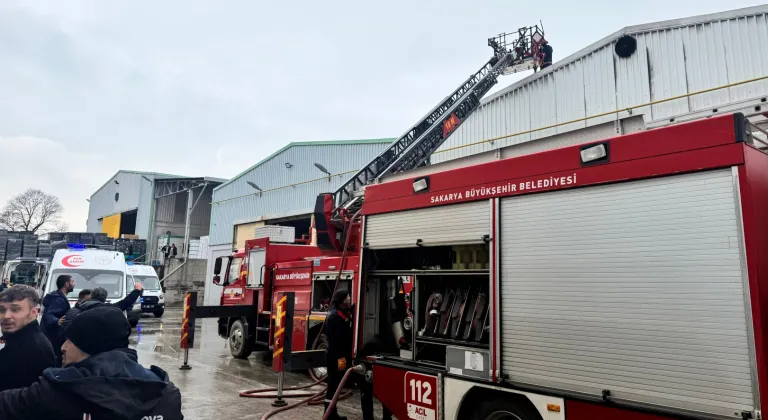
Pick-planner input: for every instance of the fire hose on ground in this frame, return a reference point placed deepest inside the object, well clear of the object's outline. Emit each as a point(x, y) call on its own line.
point(310, 398)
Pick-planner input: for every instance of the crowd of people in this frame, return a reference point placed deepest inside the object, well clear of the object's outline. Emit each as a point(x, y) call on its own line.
point(77, 365)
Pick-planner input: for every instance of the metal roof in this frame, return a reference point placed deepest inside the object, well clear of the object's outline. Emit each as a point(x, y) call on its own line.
point(123, 171)
point(682, 69)
point(646, 27)
point(305, 143)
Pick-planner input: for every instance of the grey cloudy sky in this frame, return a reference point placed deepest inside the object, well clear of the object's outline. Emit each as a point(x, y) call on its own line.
point(88, 87)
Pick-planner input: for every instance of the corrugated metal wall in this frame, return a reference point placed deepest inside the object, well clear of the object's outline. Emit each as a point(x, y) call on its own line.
point(236, 203)
point(133, 195)
point(683, 57)
point(173, 208)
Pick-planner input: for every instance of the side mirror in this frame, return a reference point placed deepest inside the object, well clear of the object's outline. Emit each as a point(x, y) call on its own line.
point(216, 279)
point(217, 267)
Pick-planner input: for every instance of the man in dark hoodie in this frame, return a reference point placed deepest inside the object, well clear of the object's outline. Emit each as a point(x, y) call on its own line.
point(82, 297)
point(101, 378)
point(24, 351)
point(98, 297)
point(55, 305)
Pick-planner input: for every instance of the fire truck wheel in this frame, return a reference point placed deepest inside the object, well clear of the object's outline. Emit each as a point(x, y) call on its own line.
point(505, 409)
point(319, 373)
point(238, 347)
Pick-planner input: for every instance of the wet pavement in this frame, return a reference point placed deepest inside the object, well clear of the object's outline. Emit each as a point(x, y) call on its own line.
point(210, 390)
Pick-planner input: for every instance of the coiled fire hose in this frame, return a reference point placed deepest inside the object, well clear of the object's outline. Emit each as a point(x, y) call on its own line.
point(316, 398)
point(309, 397)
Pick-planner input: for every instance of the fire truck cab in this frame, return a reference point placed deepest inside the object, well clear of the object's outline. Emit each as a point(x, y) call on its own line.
point(254, 278)
point(620, 279)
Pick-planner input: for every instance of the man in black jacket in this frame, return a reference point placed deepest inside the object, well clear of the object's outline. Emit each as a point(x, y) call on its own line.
point(25, 352)
point(546, 54)
point(82, 297)
point(55, 306)
point(101, 378)
point(97, 298)
point(338, 355)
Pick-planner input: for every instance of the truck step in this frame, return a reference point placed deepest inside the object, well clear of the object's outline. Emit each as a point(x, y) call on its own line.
point(262, 328)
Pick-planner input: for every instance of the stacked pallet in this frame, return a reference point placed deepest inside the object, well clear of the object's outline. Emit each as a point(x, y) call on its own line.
point(87, 238)
point(44, 249)
point(14, 247)
point(3, 243)
point(29, 245)
point(72, 238)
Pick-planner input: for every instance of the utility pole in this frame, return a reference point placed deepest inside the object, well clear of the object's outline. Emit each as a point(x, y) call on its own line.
point(190, 206)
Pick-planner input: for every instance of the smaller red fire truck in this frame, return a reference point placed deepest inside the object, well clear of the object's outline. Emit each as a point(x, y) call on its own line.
point(255, 277)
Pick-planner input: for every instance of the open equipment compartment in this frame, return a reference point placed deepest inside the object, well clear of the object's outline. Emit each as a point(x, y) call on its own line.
point(421, 302)
point(323, 284)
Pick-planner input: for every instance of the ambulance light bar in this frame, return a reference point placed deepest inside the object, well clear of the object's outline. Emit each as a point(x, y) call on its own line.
point(76, 246)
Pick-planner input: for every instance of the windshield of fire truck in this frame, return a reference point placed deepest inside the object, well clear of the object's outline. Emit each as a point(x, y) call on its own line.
point(234, 269)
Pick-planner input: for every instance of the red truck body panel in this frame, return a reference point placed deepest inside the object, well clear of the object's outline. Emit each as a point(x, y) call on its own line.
point(690, 147)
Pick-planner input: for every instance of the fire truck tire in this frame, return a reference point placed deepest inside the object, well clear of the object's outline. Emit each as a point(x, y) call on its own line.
point(505, 409)
point(319, 374)
point(239, 348)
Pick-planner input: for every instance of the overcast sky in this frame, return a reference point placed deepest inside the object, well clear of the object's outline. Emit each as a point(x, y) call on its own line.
point(209, 88)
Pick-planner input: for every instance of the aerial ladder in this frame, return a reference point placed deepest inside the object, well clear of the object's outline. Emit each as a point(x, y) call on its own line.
point(335, 212)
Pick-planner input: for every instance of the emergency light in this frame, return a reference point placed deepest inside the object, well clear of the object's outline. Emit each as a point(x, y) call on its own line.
point(594, 153)
point(129, 263)
point(79, 247)
point(420, 185)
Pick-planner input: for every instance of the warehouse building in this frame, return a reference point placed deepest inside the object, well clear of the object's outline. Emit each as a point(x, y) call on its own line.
point(636, 70)
point(281, 190)
point(152, 206)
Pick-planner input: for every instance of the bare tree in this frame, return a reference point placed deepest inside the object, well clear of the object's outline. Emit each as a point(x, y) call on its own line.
point(32, 211)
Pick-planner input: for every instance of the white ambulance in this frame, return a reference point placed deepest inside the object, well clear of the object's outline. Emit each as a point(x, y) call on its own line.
point(152, 300)
point(92, 268)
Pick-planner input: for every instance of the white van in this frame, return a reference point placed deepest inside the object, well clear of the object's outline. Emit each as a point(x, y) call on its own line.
point(92, 268)
point(28, 271)
point(153, 299)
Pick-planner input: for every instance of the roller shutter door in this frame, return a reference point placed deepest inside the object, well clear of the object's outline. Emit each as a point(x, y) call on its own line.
point(454, 224)
point(634, 287)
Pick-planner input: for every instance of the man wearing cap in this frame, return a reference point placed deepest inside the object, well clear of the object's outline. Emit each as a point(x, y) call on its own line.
point(101, 378)
point(96, 298)
point(338, 355)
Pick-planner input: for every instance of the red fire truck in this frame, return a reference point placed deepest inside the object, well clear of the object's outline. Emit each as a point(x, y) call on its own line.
point(255, 277)
point(625, 279)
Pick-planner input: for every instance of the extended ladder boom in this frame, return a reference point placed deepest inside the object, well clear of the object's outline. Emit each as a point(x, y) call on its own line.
point(415, 146)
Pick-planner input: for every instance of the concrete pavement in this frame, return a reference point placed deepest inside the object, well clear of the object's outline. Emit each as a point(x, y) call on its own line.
point(210, 390)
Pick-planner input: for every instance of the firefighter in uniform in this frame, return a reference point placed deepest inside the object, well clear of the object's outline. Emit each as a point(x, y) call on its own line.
point(338, 355)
